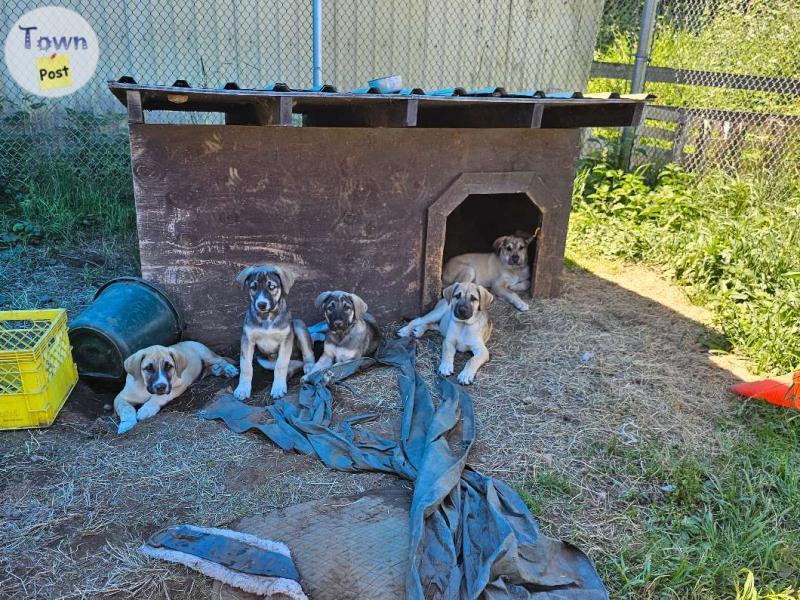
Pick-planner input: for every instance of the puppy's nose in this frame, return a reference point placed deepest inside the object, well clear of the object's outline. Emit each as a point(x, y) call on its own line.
point(514, 259)
point(461, 311)
point(338, 323)
point(160, 388)
point(261, 305)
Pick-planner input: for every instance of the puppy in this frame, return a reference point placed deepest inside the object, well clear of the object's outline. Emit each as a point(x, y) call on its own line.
point(462, 318)
point(352, 331)
point(158, 374)
point(504, 271)
point(269, 327)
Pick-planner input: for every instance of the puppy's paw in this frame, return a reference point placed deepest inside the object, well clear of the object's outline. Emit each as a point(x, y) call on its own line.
point(242, 392)
point(147, 410)
point(404, 331)
point(125, 426)
point(308, 368)
point(278, 389)
point(229, 370)
point(466, 377)
point(522, 306)
point(419, 330)
point(445, 370)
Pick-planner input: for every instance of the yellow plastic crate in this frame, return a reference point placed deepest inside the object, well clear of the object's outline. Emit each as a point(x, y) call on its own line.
point(36, 369)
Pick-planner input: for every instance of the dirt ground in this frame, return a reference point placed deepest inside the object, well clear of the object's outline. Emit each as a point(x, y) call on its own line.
point(617, 359)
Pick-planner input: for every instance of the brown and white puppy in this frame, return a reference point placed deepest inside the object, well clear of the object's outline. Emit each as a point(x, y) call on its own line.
point(352, 331)
point(159, 374)
point(269, 327)
point(462, 317)
point(504, 271)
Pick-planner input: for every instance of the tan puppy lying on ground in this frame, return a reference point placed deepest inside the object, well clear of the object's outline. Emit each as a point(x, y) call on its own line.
point(463, 320)
point(504, 271)
point(159, 374)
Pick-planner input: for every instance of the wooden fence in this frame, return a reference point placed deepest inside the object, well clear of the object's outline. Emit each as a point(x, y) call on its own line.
point(698, 137)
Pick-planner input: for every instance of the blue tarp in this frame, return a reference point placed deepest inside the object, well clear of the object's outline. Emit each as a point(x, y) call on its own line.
point(471, 535)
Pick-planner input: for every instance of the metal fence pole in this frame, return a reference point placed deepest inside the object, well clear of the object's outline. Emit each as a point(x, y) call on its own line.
point(317, 43)
point(641, 58)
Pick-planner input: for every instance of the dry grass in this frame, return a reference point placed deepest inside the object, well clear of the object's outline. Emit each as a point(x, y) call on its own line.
point(76, 500)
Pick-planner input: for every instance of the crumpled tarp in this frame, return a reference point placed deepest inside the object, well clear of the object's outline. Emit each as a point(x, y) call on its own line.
point(471, 535)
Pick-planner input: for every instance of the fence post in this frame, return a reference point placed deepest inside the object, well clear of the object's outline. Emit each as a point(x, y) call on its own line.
point(641, 58)
point(316, 43)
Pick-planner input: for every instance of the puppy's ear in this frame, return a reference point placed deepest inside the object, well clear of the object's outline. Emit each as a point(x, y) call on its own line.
point(244, 275)
point(533, 236)
point(447, 293)
point(323, 298)
point(180, 361)
point(133, 364)
point(498, 243)
point(359, 306)
point(485, 298)
point(287, 278)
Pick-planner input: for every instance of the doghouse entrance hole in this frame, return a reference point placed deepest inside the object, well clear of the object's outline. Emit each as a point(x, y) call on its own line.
point(482, 218)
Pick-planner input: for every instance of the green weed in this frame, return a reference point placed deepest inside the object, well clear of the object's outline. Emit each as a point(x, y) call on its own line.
point(68, 180)
point(732, 241)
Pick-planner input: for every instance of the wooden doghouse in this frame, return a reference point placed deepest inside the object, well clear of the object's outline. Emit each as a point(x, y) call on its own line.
point(366, 192)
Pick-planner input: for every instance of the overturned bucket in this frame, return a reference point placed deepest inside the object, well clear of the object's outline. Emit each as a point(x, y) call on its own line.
point(127, 314)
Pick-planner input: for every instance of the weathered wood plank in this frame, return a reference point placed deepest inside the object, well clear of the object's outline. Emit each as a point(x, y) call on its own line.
point(700, 78)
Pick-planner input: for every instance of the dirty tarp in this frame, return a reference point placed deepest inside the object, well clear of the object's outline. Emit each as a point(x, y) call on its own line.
point(471, 535)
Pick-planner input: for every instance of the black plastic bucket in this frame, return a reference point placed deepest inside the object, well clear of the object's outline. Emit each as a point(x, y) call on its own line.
point(127, 314)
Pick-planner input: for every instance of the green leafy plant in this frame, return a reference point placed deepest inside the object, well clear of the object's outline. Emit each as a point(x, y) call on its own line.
point(733, 242)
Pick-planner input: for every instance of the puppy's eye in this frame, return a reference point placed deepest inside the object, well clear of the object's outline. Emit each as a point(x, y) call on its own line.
point(253, 285)
point(329, 308)
point(473, 299)
point(272, 287)
point(457, 296)
point(148, 368)
point(348, 308)
point(167, 367)
point(508, 248)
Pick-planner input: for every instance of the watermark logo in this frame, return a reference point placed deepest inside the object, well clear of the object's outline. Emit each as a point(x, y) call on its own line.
point(51, 51)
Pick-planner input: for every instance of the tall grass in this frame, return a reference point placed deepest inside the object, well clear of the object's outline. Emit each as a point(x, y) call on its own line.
point(759, 37)
point(67, 179)
point(732, 241)
point(734, 511)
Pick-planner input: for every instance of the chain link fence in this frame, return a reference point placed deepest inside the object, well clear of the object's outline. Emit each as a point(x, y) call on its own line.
point(726, 74)
point(533, 44)
point(724, 70)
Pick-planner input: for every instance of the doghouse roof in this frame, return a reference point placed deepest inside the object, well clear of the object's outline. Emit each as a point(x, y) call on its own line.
point(413, 107)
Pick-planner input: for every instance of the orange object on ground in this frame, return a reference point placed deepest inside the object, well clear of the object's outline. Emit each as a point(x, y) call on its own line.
point(782, 391)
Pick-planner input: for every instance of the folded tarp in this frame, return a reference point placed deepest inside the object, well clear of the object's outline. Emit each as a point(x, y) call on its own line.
point(471, 536)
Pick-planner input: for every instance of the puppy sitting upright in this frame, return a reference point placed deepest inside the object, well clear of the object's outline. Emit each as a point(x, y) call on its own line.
point(159, 374)
point(352, 331)
point(504, 271)
point(463, 319)
point(269, 327)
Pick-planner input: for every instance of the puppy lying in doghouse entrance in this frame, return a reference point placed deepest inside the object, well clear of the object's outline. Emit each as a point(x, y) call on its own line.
point(462, 318)
point(505, 271)
point(159, 374)
point(352, 331)
point(269, 327)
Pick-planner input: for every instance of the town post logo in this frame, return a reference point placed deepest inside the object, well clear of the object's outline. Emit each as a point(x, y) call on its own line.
point(51, 51)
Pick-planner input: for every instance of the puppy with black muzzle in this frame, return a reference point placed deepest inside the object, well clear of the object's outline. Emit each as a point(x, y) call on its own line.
point(504, 271)
point(159, 374)
point(352, 331)
point(462, 318)
point(269, 327)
